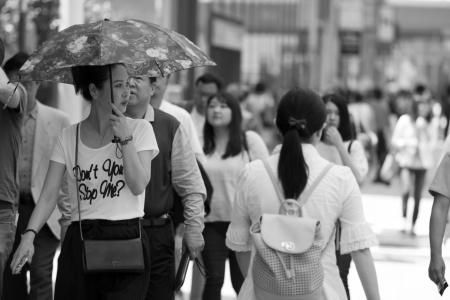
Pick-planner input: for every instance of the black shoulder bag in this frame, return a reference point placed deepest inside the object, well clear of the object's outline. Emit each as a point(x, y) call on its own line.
point(101, 256)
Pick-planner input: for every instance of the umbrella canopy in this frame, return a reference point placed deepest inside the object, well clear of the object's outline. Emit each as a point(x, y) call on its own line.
point(146, 49)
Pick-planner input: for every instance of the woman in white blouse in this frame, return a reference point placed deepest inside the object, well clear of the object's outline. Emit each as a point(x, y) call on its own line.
point(300, 119)
point(227, 149)
point(338, 143)
point(339, 146)
point(412, 142)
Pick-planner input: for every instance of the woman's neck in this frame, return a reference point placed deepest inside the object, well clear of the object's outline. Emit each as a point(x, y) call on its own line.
point(221, 137)
point(98, 120)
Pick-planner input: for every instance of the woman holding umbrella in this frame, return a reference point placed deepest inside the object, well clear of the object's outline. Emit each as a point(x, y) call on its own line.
point(108, 160)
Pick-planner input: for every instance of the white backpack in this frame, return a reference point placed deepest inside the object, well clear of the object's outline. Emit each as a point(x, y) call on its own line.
point(287, 262)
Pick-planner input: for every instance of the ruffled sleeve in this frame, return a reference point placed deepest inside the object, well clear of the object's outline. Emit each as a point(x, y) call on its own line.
point(356, 233)
point(238, 234)
point(256, 146)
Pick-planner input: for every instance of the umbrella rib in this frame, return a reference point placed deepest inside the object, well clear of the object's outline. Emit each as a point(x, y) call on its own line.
point(159, 68)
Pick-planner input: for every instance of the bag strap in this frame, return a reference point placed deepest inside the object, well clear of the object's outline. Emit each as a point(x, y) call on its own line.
point(306, 193)
point(76, 179)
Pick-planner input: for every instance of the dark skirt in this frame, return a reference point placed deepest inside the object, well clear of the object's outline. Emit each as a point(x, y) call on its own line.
point(73, 284)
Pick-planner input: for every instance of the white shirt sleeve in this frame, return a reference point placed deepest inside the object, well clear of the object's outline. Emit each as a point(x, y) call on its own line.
point(145, 138)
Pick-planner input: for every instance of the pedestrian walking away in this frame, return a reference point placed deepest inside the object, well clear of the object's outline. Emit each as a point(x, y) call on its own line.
point(300, 119)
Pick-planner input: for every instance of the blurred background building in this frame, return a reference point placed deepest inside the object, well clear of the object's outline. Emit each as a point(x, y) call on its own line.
point(284, 43)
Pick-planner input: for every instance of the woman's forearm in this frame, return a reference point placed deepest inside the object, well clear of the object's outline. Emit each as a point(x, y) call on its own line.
point(136, 170)
point(47, 200)
point(347, 161)
point(367, 273)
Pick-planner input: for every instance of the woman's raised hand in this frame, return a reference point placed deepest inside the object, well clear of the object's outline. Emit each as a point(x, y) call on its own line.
point(119, 123)
point(332, 136)
point(23, 254)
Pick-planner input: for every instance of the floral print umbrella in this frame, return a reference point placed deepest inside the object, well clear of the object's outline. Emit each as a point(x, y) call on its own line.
point(146, 49)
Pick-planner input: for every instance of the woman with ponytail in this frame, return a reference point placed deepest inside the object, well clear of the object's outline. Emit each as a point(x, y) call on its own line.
point(300, 119)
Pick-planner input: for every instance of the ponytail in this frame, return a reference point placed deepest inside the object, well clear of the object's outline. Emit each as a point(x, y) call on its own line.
point(292, 168)
point(300, 114)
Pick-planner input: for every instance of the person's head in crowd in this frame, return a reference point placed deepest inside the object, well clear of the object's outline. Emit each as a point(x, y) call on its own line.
point(404, 101)
point(141, 91)
point(338, 115)
point(301, 117)
point(376, 94)
point(223, 116)
point(421, 108)
point(260, 88)
point(206, 86)
point(422, 93)
point(237, 90)
point(93, 83)
point(12, 67)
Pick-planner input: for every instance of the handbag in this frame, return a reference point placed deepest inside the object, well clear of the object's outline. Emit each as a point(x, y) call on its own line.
point(389, 168)
point(101, 256)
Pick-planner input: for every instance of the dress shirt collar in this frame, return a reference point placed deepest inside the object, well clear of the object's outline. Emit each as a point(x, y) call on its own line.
point(33, 113)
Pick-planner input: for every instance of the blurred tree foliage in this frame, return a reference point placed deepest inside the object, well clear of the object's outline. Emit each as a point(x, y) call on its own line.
point(43, 13)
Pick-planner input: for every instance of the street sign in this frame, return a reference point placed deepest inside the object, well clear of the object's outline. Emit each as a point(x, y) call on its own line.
point(350, 42)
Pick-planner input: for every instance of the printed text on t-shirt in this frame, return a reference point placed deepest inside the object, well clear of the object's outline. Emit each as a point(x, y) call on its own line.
point(109, 187)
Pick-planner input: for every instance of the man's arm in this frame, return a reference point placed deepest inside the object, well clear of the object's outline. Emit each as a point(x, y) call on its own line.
point(188, 183)
point(438, 219)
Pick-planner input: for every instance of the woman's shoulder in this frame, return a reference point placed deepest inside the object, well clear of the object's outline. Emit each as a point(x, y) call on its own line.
point(341, 174)
point(69, 131)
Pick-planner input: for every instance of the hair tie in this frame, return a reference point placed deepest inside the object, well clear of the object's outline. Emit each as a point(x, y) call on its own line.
point(299, 124)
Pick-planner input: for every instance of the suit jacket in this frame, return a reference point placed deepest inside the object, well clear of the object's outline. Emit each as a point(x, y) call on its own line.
point(49, 124)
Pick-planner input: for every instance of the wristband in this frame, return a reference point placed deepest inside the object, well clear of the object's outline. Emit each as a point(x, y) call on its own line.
point(30, 230)
point(126, 140)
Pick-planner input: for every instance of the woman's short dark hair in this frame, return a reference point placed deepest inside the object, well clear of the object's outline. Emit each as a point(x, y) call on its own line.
point(345, 125)
point(236, 141)
point(300, 114)
point(85, 75)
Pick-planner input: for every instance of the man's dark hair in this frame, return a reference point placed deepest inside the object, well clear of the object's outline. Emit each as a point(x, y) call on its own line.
point(209, 78)
point(15, 62)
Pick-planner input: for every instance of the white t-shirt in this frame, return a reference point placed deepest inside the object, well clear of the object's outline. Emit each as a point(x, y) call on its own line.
point(185, 120)
point(102, 188)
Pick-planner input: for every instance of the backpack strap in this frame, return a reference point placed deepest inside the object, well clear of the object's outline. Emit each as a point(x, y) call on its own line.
point(306, 193)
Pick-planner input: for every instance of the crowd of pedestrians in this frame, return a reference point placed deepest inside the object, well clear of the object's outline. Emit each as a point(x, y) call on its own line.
point(131, 166)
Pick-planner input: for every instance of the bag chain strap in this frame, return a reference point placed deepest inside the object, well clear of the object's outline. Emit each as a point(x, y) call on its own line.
point(78, 192)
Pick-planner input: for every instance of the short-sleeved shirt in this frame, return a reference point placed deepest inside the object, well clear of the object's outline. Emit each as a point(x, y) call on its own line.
point(441, 181)
point(223, 174)
point(11, 139)
point(101, 183)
